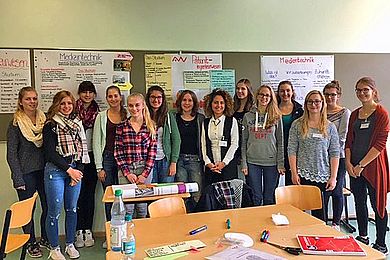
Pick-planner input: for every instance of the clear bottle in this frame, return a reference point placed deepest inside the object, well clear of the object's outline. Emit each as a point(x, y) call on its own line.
point(118, 223)
point(128, 244)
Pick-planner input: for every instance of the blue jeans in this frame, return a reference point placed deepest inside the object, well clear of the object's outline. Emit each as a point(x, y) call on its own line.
point(137, 210)
point(189, 170)
point(160, 172)
point(111, 169)
point(59, 192)
point(262, 180)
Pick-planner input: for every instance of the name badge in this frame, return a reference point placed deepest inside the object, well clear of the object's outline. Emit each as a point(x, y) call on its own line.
point(365, 125)
point(317, 135)
point(223, 143)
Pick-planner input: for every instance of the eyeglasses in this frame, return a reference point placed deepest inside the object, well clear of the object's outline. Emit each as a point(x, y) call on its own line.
point(314, 102)
point(156, 97)
point(330, 94)
point(362, 90)
point(264, 95)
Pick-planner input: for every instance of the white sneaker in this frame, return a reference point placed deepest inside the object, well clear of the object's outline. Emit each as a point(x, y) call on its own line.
point(337, 227)
point(104, 245)
point(89, 241)
point(79, 239)
point(72, 251)
point(56, 254)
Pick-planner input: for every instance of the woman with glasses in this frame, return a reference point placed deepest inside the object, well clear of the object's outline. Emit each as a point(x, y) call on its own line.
point(243, 102)
point(262, 146)
point(313, 147)
point(290, 110)
point(168, 136)
point(339, 116)
point(219, 138)
point(366, 161)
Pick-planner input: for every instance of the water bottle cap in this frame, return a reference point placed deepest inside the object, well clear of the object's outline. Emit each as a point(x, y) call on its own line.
point(128, 217)
point(118, 192)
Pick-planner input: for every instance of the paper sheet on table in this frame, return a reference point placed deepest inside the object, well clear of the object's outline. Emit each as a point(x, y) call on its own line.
point(174, 248)
point(128, 190)
point(243, 253)
point(167, 257)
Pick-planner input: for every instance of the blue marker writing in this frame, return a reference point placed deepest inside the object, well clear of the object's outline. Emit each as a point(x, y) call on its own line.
point(197, 230)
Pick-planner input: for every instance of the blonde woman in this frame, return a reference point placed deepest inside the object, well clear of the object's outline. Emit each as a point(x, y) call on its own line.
point(136, 148)
point(262, 146)
point(26, 161)
point(313, 147)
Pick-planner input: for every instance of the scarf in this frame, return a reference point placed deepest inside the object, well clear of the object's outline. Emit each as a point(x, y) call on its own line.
point(87, 115)
point(31, 132)
point(71, 138)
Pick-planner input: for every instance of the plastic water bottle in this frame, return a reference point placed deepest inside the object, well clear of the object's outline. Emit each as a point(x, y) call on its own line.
point(128, 244)
point(118, 224)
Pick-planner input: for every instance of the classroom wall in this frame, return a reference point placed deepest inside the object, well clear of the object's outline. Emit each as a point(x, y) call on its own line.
point(293, 26)
point(220, 25)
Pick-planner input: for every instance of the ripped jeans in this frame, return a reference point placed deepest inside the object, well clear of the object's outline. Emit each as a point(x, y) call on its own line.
point(58, 193)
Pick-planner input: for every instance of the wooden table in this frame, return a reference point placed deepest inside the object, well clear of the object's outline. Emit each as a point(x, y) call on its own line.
point(108, 197)
point(156, 232)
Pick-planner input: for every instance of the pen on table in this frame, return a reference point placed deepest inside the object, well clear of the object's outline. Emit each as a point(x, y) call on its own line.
point(197, 230)
point(228, 223)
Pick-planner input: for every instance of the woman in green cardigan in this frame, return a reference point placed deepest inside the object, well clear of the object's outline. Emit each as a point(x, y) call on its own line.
point(168, 136)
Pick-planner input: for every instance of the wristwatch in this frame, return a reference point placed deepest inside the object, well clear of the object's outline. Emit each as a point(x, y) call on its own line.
point(360, 165)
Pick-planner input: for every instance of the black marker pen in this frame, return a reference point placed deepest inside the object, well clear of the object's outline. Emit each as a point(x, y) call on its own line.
point(197, 230)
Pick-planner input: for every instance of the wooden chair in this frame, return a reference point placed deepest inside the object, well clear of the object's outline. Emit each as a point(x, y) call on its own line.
point(304, 197)
point(18, 215)
point(167, 207)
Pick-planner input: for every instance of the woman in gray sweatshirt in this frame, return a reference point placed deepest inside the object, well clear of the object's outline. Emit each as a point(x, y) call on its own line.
point(262, 146)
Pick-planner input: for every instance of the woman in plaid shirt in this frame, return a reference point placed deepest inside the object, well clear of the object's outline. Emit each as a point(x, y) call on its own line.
point(136, 147)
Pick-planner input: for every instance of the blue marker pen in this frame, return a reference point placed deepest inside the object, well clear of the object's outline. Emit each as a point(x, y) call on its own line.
point(197, 230)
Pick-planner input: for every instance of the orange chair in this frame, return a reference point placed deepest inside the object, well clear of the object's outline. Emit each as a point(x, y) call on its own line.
point(304, 197)
point(18, 215)
point(167, 207)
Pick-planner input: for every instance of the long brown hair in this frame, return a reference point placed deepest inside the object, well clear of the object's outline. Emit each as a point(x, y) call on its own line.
point(123, 111)
point(274, 114)
point(250, 101)
point(160, 116)
point(323, 126)
point(55, 106)
point(285, 82)
point(369, 82)
point(148, 120)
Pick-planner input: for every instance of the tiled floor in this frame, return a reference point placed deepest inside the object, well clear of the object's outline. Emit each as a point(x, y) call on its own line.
point(98, 253)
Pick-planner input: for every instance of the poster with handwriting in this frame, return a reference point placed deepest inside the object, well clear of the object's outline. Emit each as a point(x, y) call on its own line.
point(57, 70)
point(158, 71)
point(306, 72)
point(179, 64)
point(15, 73)
point(223, 79)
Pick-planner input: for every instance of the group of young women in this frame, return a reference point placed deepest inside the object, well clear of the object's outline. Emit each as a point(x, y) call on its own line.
point(255, 137)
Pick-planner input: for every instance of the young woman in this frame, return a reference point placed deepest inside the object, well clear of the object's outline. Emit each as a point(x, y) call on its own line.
point(290, 110)
point(87, 110)
point(262, 146)
point(243, 102)
point(339, 116)
point(104, 132)
point(136, 148)
point(168, 136)
point(219, 138)
point(189, 122)
point(65, 150)
point(313, 147)
point(366, 161)
point(25, 159)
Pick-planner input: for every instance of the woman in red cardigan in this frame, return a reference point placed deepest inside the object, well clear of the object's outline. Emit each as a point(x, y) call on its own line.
point(366, 161)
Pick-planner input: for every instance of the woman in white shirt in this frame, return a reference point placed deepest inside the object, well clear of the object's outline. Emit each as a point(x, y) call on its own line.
point(219, 138)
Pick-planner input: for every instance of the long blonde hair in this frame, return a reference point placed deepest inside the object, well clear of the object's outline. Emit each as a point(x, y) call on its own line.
point(272, 109)
point(55, 106)
point(323, 125)
point(150, 125)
